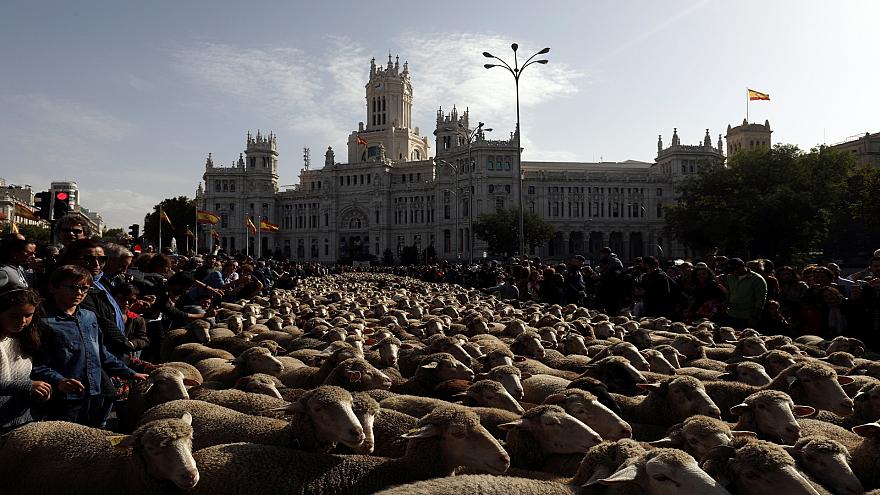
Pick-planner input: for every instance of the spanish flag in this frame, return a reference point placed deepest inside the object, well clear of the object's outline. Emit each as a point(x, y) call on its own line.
point(164, 218)
point(13, 228)
point(757, 95)
point(268, 227)
point(250, 226)
point(203, 216)
point(361, 141)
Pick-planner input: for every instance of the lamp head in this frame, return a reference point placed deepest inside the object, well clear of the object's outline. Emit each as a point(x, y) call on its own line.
point(489, 66)
point(545, 50)
point(488, 55)
point(542, 61)
point(514, 47)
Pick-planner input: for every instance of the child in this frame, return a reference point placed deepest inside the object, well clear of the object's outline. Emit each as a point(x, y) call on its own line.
point(19, 339)
point(73, 352)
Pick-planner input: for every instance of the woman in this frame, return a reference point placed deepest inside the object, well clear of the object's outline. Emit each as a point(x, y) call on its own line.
point(19, 340)
point(704, 293)
point(126, 297)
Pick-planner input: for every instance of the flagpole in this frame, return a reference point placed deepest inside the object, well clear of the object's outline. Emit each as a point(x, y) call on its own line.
point(747, 105)
point(259, 249)
point(247, 239)
point(160, 229)
point(196, 242)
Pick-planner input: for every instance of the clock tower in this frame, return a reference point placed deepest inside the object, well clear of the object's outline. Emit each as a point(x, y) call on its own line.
point(389, 98)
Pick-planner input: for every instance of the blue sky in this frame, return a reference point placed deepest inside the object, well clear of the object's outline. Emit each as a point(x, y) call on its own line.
point(128, 98)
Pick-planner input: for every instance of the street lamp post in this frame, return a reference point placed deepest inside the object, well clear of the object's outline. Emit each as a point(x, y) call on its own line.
point(455, 168)
point(470, 135)
point(516, 71)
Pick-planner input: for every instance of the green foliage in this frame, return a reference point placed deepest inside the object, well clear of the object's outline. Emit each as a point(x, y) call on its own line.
point(33, 233)
point(765, 203)
point(499, 230)
point(182, 213)
point(113, 235)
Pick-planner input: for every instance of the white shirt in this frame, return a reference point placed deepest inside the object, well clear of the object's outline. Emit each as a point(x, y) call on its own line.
point(14, 366)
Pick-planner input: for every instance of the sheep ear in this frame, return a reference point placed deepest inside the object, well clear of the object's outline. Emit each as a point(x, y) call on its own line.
point(406, 346)
point(519, 359)
point(187, 418)
point(522, 424)
point(744, 434)
point(289, 408)
point(845, 380)
point(665, 442)
point(353, 376)
point(651, 387)
point(867, 430)
point(740, 409)
point(189, 382)
point(720, 452)
point(803, 410)
point(598, 474)
point(554, 399)
point(431, 365)
point(122, 441)
point(624, 475)
point(427, 431)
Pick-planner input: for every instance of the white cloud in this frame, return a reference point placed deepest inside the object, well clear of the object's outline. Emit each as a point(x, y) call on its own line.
point(120, 207)
point(77, 120)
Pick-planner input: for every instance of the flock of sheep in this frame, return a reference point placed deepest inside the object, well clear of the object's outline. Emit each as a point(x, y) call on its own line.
point(366, 383)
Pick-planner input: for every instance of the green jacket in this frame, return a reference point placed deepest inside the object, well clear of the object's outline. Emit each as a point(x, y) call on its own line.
point(746, 295)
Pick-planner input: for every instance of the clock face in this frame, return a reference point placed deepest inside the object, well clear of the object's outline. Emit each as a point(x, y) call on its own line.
point(378, 85)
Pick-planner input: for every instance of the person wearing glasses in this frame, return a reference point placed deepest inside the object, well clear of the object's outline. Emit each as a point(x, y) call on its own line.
point(71, 227)
point(72, 355)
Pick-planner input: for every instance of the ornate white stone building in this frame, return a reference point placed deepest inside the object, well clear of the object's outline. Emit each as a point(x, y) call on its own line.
point(389, 193)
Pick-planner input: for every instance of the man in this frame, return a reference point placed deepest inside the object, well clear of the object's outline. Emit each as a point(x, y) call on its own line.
point(119, 258)
point(656, 289)
point(746, 294)
point(866, 298)
point(845, 283)
point(574, 281)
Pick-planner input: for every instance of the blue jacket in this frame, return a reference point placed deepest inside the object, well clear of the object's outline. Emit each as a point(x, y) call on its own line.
point(73, 347)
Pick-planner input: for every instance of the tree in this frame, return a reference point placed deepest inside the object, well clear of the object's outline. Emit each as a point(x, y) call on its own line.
point(766, 203)
point(113, 235)
point(500, 229)
point(34, 233)
point(182, 213)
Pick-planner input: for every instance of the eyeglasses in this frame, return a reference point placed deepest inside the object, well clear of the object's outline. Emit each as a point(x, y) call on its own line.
point(91, 259)
point(77, 288)
point(73, 231)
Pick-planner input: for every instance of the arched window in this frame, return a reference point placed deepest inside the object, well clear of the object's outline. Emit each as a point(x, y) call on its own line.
point(415, 155)
point(354, 223)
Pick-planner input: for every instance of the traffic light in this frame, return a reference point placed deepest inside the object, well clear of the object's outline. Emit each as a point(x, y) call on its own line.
point(62, 205)
point(43, 201)
point(134, 231)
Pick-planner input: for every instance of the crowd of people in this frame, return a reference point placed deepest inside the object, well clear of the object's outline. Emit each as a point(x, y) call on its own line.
point(80, 319)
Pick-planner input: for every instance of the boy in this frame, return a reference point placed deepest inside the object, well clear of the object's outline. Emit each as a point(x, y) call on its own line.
point(73, 353)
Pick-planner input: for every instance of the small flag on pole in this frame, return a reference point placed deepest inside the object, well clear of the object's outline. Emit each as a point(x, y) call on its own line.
point(361, 141)
point(203, 216)
point(757, 95)
point(250, 226)
point(189, 233)
point(13, 228)
point(164, 217)
point(268, 227)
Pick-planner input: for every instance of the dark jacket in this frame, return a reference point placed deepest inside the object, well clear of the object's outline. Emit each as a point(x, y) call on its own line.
point(73, 347)
point(98, 302)
point(657, 295)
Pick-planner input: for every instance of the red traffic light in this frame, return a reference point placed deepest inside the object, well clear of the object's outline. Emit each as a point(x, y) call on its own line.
point(61, 196)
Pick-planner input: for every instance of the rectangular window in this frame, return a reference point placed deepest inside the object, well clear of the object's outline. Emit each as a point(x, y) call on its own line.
point(341, 180)
point(659, 192)
point(499, 204)
point(489, 164)
point(531, 189)
point(446, 214)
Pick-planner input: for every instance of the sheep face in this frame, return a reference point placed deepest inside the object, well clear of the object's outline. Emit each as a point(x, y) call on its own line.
point(573, 343)
point(777, 361)
point(488, 393)
point(631, 353)
point(259, 384)
point(726, 334)
point(685, 397)
point(389, 351)
point(665, 472)
point(867, 402)
point(330, 409)
point(464, 442)
point(548, 337)
point(751, 346)
point(822, 387)
point(448, 368)
point(361, 375)
point(259, 360)
point(640, 338)
point(511, 381)
point(763, 468)
point(657, 362)
point(235, 323)
point(671, 355)
point(616, 373)
point(772, 414)
point(748, 372)
point(451, 346)
point(528, 345)
point(828, 462)
point(164, 385)
point(166, 447)
point(689, 346)
point(497, 358)
point(590, 411)
point(846, 344)
point(556, 431)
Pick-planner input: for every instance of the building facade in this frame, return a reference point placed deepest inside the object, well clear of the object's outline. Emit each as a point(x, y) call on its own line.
point(865, 148)
point(390, 193)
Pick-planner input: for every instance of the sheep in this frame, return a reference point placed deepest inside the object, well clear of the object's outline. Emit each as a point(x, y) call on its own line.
point(434, 369)
point(748, 346)
point(509, 376)
point(308, 377)
point(384, 352)
point(237, 400)
point(253, 360)
point(165, 384)
point(534, 367)
point(756, 467)
point(668, 402)
point(196, 331)
point(810, 382)
point(356, 374)
point(194, 352)
point(699, 434)
point(489, 393)
point(866, 455)
point(695, 352)
point(586, 407)
point(321, 417)
point(671, 354)
point(827, 461)
point(153, 459)
point(536, 388)
point(260, 383)
point(657, 362)
point(746, 372)
point(546, 430)
point(446, 438)
point(771, 414)
point(483, 484)
point(617, 373)
point(628, 351)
